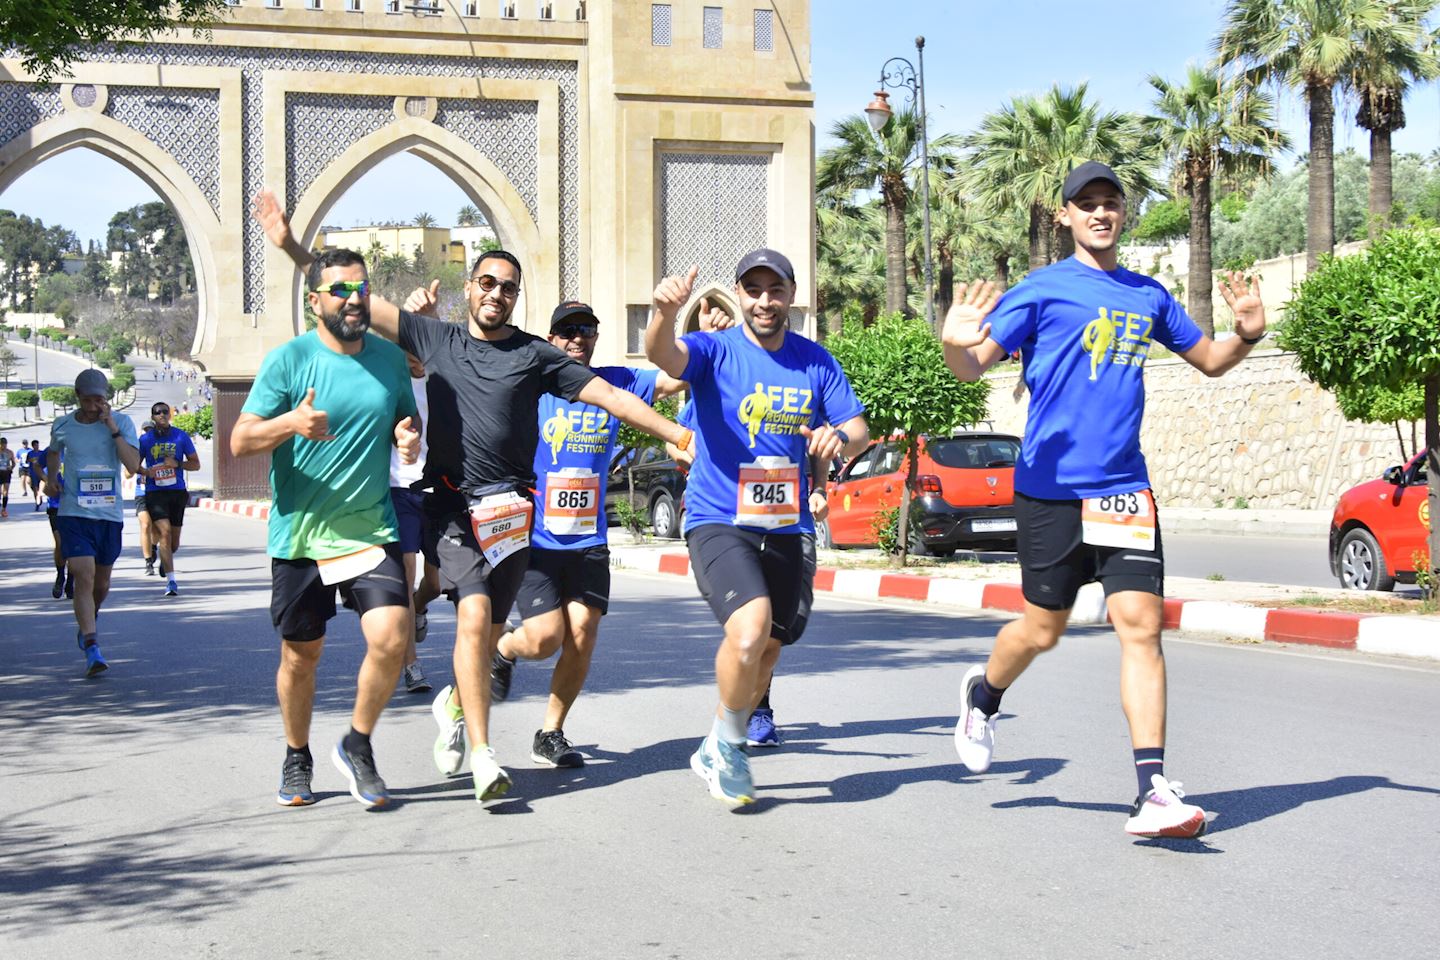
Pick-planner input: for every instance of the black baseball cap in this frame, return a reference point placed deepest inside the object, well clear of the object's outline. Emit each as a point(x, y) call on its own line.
point(92, 383)
point(764, 257)
point(1086, 174)
point(569, 310)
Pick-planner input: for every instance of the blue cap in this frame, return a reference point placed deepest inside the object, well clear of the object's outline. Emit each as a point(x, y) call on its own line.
point(769, 259)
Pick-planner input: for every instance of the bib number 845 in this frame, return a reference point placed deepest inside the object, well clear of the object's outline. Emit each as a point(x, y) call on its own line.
point(770, 493)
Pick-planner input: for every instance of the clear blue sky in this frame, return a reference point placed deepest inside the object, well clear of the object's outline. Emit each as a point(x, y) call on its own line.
point(978, 54)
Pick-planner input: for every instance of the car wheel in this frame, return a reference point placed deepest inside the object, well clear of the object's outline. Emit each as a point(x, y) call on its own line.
point(822, 535)
point(664, 519)
point(917, 543)
point(1362, 565)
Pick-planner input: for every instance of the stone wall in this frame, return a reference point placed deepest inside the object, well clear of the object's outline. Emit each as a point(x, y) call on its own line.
point(1262, 432)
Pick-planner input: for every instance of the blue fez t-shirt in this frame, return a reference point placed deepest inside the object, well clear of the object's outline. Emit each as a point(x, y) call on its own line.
point(572, 463)
point(751, 403)
point(1084, 334)
point(154, 448)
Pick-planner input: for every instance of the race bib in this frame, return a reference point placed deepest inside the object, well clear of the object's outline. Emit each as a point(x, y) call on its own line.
point(1124, 520)
point(339, 569)
point(769, 494)
point(95, 487)
point(572, 502)
point(501, 523)
point(162, 476)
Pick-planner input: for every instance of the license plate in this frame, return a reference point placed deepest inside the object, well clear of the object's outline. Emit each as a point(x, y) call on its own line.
point(993, 526)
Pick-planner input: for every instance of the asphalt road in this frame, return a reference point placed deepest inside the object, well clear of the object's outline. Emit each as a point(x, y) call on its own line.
point(137, 814)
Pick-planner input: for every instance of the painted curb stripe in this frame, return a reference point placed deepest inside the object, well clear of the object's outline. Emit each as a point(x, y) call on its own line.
point(1313, 626)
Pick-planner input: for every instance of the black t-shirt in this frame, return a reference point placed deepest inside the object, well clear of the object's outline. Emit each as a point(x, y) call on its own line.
point(483, 397)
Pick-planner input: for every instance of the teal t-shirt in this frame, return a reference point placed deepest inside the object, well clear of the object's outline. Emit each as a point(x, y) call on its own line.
point(332, 497)
point(93, 474)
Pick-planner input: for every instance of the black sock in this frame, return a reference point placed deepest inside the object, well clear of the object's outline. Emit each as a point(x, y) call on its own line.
point(1148, 761)
point(764, 703)
point(299, 752)
point(986, 697)
point(356, 742)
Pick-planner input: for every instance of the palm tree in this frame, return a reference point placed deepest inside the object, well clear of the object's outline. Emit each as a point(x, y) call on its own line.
point(962, 234)
point(861, 160)
point(1020, 155)
point(1389, 59)
point(424, 220)
point(1311, 45)
point(467, 217)
point(848, 260)
point(1210, 128)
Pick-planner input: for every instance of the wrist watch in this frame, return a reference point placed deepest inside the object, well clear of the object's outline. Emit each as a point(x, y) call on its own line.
point(844, 437)
point(1254, 340)
point(114, 434)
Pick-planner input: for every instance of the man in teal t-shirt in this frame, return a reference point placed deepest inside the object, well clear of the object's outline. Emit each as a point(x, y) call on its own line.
point(328, 406)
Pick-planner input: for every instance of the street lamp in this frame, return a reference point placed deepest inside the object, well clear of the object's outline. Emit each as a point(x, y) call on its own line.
point(895, 73)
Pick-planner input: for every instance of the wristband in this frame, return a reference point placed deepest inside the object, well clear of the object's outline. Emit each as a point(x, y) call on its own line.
point(844, 437)
point(114, 434)
point(684, 442)
point(1252, 341)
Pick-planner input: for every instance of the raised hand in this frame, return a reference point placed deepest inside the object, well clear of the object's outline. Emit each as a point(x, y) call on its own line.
point(713, 318)
point(407, 440)
point(825, 442)
point(310, 423)
point(1244, 300)
point(672, 293)
point(424, 300)
point(965, 325)
point(271, 217)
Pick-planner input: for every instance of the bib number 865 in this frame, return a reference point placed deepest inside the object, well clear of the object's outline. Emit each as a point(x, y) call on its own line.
point(572, 499)
point(1127, 503)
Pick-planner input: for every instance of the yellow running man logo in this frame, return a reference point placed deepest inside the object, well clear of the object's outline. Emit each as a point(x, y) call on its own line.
point(753, 410)
point(1099, 334)
point(555, 431)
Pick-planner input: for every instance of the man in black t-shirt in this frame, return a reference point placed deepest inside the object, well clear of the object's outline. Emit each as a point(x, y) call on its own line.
point(486, 378)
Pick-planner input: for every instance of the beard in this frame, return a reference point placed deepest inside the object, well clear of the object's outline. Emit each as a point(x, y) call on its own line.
point(348, 325)
point(766, 328)
point(477, 313)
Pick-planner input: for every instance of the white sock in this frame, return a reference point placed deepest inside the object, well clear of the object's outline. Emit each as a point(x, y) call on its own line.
point(730, 725)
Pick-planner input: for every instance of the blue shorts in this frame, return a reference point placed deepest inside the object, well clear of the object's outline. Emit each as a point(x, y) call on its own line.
point(409, 516)
point(84, 537)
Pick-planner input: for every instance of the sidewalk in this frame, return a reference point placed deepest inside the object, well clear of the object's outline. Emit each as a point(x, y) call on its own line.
point(1234, 609)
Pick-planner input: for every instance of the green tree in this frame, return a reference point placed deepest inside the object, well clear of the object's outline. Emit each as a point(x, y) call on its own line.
point(62, 397)
point(24, 333)
point(849, 260)
point(50, 36)
point(8, 363)
point(424, 220)
point(1162, 221)
point(1210, 130)
point(898, 371)
point(1309, 45)
point(29, 250)
point(1372, 321)
point(23, 400)
point(468, 217)
point(1019, 157)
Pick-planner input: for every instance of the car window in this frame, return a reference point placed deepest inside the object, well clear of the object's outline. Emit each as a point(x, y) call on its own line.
point(889, 460)
point(1419, 476)
point(651, 454)
point(860, 466)
point(975, 452)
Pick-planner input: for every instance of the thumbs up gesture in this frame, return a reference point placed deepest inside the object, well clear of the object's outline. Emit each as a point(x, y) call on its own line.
point(310, 423)
point(424, 300)
point(672, 293)
point(407, 440)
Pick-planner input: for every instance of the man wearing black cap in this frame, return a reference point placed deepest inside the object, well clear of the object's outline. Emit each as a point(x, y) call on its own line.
point(765, 401)
point(95, 442)
point(566, 588)
point(1083, 501)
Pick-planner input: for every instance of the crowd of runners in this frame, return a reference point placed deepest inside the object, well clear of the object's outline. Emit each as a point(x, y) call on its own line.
point(413, 458)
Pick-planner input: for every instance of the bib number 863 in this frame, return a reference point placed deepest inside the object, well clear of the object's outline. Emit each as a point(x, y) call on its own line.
point(1127, 503)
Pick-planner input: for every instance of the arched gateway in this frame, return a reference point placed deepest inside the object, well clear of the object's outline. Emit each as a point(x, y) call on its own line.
point(607, 140)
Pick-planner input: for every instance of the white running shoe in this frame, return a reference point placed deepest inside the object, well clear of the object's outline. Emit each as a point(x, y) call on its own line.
point(1161, 813)
point(491, 780)
point(450, 745)
point(974, 732)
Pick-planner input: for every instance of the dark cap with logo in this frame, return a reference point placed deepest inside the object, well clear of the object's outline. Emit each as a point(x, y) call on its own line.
point(1086, 174)
point(769, 259)
point(92, 383)
point(570, 310)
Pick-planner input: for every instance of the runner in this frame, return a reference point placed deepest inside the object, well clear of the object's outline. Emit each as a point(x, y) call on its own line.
point(1082, 494)
point(765, 399)
point(168, 453)
point(22, 462)
point(409, 506)
point(485, 379)
point(7, 468)
point(328, 406)
point(96, 443)
point(64, 581)
point(35, 468)
point(142, 515)
point(566, 588)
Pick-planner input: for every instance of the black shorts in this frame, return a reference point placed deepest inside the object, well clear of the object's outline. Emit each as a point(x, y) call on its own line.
point(168, 505)
point(734, 566)
point(465, 572)
point(409, 516)
point(140, 510)
point(300, 605)
point(4, 478)
point(1055, 562)
point(53, 513)
point(556, 576)
point(807, 587)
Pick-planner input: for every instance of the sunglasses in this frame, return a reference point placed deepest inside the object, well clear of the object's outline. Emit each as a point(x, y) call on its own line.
point(571, 331)
point(508, 288)
point(344, 288)
point(160, 412)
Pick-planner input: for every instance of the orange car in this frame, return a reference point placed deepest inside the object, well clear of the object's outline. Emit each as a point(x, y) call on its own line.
point(964, 494)
point(1380, 528)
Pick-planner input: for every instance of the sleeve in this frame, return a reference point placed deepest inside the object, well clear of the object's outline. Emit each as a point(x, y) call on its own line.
point(643, 384)
point(143, 445)
point(187, 448)
point(686, 418)
point(127, 430)
point(404, 393)
point(702, 348)
point(838, 402)
point(269, 394)
point(421, 336)
point(561, 377)
point(1013, 321)
point(1174, 329)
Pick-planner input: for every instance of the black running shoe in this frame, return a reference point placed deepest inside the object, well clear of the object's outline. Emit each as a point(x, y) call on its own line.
point(359, 768)
point(59, 587)
point(552, 749)
point(501, 672)
point(69, 588)
point(295, 781)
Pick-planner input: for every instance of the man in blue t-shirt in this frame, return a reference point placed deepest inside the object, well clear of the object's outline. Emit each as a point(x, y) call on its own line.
point(168, 452)
point(766, 400)
point(566, 587)
point(1083, 502)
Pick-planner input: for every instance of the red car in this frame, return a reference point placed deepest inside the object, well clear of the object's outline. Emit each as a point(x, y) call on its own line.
point(1380, 527)
point(964, 491)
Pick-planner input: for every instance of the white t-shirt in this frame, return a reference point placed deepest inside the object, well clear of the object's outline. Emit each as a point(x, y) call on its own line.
point(404, 474)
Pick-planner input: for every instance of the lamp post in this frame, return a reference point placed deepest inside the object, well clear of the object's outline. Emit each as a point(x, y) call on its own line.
point(895, 73)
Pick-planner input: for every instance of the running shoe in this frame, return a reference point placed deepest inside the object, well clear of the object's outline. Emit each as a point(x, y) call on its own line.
point(415, 681)
point(170, 588)
point(725, 768)
point(4, 512)
point(1161, 813)
point(552, 749)
point(450, 745)
point(491, 780)
point(502, 671)
point(59, 587)
point(295, 781)
point(761, 731)
point(359, 768)
point(149, 567)
point(422, 627)
point(94, 661)
point(974, 732)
